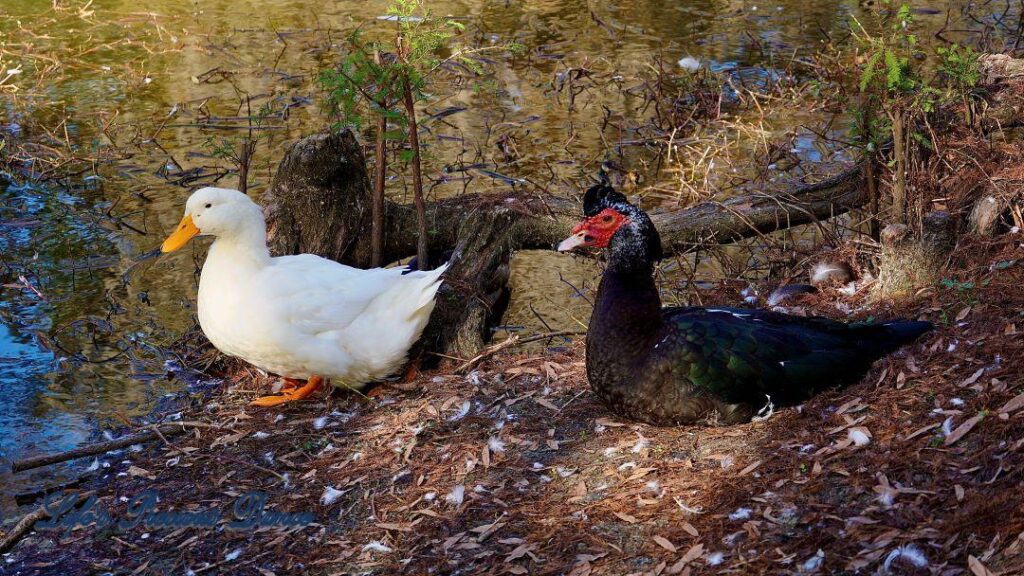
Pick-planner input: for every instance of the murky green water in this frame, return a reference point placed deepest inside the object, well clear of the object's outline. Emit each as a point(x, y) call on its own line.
point(82, 326)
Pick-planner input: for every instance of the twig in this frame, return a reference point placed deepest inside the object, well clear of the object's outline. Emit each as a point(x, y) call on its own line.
point(492, 350)
point(223, 562)
point(548, 335)
point(512, 340)
point(263, 469)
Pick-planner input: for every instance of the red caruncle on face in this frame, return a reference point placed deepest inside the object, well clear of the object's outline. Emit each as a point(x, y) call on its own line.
point(598, 230)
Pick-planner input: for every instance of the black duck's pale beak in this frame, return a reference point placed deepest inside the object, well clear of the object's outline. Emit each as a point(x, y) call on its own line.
point(575, 241)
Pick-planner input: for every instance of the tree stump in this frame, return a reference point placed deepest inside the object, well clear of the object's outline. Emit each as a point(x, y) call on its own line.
point(475, 289)
point(985, 215)
point(910, 263)
point(320, 202)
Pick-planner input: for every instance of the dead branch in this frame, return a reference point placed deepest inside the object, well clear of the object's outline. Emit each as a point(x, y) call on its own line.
point(21, 528)
point(104, 447)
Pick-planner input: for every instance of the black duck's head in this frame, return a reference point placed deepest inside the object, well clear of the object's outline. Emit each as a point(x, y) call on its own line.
point(612, 222)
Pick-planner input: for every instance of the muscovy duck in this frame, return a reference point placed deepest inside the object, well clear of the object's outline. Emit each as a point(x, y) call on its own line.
point(671, 366)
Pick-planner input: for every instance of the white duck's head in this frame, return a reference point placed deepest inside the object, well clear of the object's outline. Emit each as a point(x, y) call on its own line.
point(218, 212)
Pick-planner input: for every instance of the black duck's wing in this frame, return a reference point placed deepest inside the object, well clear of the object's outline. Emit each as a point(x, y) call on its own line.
point(741, 356)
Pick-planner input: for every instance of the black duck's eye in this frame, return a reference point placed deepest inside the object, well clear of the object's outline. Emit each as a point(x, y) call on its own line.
point(209, 205)
point(607, 219)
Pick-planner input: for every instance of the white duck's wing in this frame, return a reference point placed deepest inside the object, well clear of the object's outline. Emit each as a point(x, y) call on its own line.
point(315, 295)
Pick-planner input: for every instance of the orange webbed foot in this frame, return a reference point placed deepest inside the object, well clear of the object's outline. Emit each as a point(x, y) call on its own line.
point(290, 394)
point(412, 371)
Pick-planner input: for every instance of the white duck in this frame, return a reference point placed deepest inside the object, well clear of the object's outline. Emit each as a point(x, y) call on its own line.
point(302, 317)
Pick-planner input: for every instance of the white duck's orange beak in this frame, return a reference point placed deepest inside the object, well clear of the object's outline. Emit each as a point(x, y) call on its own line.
point(185, 231)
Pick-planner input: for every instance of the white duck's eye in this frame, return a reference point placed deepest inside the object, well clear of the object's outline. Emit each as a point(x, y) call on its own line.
point(209, 205)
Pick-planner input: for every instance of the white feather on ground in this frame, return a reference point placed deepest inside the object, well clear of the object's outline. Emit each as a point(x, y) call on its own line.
point(689, 63)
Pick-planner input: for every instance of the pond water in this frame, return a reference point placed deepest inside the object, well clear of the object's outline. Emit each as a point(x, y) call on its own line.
point(85, 321)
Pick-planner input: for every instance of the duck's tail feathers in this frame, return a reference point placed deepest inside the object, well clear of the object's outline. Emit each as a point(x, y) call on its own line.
point(428, 282)
point(900, 332)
